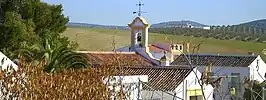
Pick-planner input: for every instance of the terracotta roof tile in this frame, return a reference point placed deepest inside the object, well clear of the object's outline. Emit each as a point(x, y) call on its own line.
point(156, 47)
point(121, 58)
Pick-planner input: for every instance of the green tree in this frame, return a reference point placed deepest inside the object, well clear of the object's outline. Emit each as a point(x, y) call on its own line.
point(16, 32)
point(33, 29)
point(255, 92)
point(62, 58)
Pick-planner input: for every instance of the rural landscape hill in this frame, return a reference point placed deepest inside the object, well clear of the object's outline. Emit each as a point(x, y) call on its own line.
point(238, 39)
point(170, 24)
point(101, 39)
point(257, 23)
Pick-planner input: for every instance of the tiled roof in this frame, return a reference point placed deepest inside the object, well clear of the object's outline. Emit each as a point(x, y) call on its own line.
point(119, 58)
point(158, 47)
point(216, 60)
point(165, 78)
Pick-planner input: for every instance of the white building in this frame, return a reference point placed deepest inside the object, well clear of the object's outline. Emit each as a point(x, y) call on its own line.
point(153, 52)
point(207, 28)
point(6, 63)
point(249, 66)
point(170, 56)
point(164, 82)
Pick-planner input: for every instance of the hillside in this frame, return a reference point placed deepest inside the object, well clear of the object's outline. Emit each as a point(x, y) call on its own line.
point(242, 32)
point(101, 39)
point(170, 24)
point(219, 33)
point(75, 24)
point(158, 25)
point(257, 23)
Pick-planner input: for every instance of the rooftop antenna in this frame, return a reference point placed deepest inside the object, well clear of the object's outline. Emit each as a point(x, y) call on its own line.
point(139, 12)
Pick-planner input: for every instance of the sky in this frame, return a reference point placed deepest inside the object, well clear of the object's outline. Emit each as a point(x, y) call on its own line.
point(119, 12)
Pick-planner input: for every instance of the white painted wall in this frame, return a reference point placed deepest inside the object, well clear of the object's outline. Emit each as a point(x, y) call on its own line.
point(244, 72)
point(191, 81)
point(7, 63)
point(158, 95)
point(207, 28)
point(130, 84)
point(257, 69)
point(159, 55)
point(142, 52)
point(138, 23)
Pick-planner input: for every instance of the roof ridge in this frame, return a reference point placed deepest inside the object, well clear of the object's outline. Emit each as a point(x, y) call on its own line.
point(106, 52)
point(162, 67)
point(234, 55)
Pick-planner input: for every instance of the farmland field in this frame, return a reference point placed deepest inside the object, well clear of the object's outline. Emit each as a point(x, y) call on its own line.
point(92, 39)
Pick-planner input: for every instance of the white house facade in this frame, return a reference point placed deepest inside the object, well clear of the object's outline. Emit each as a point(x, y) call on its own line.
point(164, 83)
point(232, 69)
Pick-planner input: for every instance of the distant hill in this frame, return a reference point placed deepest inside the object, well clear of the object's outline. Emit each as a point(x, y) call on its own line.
point(75, 24)
point(253, 27)
point(158, 25)
point(170, 24)
point(257, 26)
point(257, 23)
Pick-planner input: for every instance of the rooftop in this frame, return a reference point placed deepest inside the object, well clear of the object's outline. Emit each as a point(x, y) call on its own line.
point(116, 58)
point(216, 60)
point(160, 77)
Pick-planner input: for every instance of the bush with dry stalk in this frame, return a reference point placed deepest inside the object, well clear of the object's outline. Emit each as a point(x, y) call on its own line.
point(31, 82)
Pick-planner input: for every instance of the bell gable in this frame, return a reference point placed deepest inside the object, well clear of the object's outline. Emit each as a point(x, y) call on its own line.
point(139, 22)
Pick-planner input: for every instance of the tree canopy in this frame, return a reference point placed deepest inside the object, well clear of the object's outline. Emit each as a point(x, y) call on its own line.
point(33, 28)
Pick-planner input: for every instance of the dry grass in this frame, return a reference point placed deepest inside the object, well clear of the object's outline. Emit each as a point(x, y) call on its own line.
point(101, 39)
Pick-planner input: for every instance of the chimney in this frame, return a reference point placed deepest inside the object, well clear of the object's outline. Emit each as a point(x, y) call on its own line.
point(187, 45)
point(171, 57)
point(165, 61)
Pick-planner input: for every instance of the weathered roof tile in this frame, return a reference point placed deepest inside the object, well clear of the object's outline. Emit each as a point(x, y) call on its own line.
point(119, 58)
point(165, 78)
point(216, 60)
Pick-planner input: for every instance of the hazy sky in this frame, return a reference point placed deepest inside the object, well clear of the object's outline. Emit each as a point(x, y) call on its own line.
point(119, 12)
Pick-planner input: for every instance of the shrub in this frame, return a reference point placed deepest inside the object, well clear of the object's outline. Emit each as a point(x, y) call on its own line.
point(31, 82)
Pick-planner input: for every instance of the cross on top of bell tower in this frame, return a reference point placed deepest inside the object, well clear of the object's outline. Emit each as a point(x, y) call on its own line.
point(139, 12)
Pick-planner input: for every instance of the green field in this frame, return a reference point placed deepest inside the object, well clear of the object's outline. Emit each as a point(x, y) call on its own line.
point(92, 39)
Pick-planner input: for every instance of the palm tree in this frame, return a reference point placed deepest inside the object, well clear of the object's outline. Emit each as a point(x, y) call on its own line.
point(56, 56)
point(63, 58)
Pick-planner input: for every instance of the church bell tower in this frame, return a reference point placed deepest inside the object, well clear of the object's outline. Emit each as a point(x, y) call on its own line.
point(139, 31)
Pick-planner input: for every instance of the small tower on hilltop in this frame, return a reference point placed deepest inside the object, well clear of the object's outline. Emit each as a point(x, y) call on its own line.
point(139, 31)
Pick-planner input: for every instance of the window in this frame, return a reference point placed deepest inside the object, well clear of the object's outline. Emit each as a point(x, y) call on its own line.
point(140, 45)
point(172, 47)
point(236, 83)
point(138, 37)
point(195, 98)
point(176, 47)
